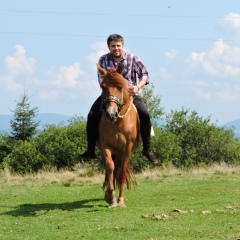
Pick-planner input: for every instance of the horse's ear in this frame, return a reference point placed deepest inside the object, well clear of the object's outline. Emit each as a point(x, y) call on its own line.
point(119, 68)
point(101, 71)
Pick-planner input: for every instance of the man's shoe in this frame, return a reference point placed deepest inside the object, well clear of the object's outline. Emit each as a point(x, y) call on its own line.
point(88, 154)
point(150, 156)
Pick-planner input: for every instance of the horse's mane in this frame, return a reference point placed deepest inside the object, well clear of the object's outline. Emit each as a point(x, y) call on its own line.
point(114, 77)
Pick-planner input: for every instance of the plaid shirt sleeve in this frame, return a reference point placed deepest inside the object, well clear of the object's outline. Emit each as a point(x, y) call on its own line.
point(101, 62)
point(139, 69)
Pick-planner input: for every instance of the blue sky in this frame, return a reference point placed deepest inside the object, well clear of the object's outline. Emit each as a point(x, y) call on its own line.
point(191, 49)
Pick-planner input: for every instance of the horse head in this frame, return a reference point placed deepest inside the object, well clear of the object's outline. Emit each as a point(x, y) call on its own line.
point(114, 91)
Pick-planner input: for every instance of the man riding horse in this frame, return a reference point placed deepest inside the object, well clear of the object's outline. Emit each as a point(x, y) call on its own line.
point(132, 68)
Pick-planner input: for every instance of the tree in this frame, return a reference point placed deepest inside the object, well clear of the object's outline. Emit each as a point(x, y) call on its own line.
point(198, 141)
point(5, 147)
point(152, 102)
point(156, 112)
point(23, 124)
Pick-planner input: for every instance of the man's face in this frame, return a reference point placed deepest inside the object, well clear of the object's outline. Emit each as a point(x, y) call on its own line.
point(116, 49)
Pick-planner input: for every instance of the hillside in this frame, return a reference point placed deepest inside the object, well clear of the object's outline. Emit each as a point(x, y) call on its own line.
point(44, 118)
point(52, 118)
point(235, 124)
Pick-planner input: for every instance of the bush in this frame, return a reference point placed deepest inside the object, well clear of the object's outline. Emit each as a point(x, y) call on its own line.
point(5, 146)
point(61, 145)
point(186, 140)
point(165, 147)
point(24, 158)
point(54, 147)
point(199, 141)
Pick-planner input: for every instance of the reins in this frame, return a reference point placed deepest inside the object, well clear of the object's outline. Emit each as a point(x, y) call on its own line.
point(128, 109)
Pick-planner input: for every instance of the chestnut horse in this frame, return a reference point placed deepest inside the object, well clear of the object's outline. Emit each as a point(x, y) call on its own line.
point(118, 134)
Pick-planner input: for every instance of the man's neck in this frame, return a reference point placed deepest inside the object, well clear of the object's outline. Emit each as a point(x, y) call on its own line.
point(117, 59)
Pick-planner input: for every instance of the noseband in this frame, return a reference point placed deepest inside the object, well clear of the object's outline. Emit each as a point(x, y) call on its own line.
point(111, 98)
point(119, 103)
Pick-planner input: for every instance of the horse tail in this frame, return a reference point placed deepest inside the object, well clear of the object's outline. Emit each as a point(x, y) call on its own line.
point(118, 175)
point(105, 181)
point(128, 175)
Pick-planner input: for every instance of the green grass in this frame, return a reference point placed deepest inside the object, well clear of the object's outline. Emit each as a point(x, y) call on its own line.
point(31, 208)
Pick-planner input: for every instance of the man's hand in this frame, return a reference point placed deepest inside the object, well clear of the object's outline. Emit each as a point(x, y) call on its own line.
point(133, 90)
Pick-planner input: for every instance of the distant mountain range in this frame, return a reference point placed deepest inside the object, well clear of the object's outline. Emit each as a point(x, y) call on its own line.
point(235, 124)
point(43, 118)
point(51, 118)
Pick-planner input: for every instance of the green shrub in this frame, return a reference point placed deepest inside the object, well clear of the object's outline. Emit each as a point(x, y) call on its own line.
point(61, 145)
point(5, 147)
point(24, 158)
point(186, 140)
point(199, 141)
point(54, 147)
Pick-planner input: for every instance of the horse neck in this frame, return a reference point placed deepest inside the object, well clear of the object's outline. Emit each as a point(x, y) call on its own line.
point(127, 101)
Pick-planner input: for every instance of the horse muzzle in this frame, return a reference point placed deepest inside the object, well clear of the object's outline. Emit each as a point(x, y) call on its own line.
point(111, 114)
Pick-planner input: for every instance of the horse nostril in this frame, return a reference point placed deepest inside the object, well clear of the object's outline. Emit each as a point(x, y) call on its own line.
point(111, 115)
point(107, 114)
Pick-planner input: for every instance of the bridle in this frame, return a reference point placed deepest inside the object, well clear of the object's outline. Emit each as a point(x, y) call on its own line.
point(112, 98)
point(119, 103)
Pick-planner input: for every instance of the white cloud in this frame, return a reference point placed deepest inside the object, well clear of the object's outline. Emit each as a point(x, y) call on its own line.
point(99, 48)
point(232, 21)
point(20, 63)
point(222, 60)
point(171, 54)
point(214, 74)
point(48, 95)
point(205, 95)
point(17, 65)
point(64, 76)
point(7, 84)
point(197, 57)
point(227, 96)
point(197, 83)
point(69, 76)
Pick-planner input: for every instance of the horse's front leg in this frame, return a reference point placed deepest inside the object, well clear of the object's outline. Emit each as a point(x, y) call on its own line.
point(123, 179)
point(110, 196)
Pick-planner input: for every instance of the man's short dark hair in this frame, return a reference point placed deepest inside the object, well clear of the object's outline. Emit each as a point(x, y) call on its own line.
point(115, 37)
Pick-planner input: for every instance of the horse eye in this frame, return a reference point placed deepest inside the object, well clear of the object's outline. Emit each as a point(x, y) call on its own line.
point(102, 85)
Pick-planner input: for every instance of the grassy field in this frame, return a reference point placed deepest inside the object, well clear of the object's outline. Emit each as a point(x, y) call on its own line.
point(166, 204)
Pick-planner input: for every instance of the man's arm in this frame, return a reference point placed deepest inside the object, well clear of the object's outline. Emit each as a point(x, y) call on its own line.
point(142, 74)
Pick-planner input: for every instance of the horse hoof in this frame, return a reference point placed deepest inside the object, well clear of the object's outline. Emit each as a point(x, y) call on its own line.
point(122, 205)
point(110, 197)
point(113, 205)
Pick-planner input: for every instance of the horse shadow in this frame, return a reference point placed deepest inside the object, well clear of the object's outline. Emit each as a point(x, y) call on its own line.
point(34, 210)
